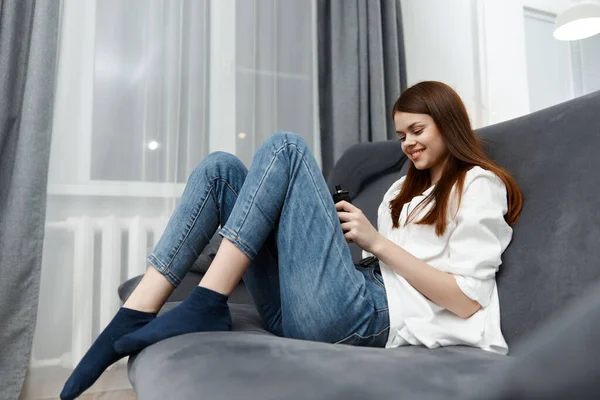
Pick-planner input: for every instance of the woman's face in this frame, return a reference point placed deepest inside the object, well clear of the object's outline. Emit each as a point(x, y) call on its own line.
point(421, 142)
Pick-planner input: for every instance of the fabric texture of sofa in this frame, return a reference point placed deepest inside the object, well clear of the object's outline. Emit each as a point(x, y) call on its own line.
point(548, 288)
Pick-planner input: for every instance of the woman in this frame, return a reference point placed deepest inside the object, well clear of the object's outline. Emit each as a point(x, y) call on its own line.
point(442, 230)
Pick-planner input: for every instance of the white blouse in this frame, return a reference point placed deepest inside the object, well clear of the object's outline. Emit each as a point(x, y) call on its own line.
point(470, 250)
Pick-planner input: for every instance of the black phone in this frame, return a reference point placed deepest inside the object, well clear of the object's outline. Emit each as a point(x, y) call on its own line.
point(341, 194)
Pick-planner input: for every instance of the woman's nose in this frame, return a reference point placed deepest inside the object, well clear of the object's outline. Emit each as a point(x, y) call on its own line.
point(409, 143)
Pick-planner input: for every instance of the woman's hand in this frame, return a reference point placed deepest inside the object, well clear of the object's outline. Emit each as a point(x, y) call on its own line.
point(357, 228)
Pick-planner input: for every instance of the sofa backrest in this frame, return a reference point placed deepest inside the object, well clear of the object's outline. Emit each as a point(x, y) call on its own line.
point(366, 171)
point(554, 154)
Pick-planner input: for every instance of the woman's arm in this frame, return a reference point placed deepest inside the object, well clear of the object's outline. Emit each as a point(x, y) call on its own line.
point(438, 286)
point(475, 247)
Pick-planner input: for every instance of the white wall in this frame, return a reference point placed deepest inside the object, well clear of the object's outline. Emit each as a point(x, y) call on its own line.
point(551, 6)
point(439, 45)
point(505, 91)
point(475, 46)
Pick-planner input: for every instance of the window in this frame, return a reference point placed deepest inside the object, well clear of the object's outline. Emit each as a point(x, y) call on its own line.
point(147, 88)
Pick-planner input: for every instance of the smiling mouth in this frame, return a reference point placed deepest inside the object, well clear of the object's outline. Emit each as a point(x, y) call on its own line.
point(416, 154)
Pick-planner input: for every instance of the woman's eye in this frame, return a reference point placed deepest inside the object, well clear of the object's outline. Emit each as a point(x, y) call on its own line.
point(416, 133)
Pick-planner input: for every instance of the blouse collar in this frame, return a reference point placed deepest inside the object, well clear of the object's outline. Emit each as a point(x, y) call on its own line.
point(426, 193)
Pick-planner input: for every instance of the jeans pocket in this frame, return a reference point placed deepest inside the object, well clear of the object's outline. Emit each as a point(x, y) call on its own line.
point(376, 278)
point(375, 340)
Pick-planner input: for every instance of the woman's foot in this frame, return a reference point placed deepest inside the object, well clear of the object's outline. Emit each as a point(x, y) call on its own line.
point(102, 354)
point(204, 310)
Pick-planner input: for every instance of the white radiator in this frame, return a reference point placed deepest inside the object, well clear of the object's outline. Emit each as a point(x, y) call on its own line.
point(111, 229)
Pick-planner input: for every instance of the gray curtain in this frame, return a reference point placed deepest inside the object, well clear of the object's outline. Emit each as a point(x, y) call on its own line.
point(361, 72)
point(28, 43)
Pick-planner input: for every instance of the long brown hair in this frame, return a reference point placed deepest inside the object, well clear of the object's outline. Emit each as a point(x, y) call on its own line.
point(449, 113)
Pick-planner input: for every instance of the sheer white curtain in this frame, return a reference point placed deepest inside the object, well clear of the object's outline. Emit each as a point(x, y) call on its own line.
point(150, 116)
point(275, 72)
point(145, 90)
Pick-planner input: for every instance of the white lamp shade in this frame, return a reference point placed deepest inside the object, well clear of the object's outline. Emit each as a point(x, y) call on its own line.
point(579, 21)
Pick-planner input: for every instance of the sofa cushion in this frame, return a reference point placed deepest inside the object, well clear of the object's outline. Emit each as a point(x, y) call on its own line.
point(251, 363)
point(558, 361)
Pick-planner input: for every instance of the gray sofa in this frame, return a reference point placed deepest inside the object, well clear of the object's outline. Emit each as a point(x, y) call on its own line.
point(549, 295)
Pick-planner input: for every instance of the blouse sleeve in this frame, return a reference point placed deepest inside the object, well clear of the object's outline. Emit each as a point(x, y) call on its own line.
point(480, 237)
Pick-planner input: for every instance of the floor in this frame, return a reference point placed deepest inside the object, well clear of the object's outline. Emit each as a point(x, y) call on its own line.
point(112, 395)
point(46, 384)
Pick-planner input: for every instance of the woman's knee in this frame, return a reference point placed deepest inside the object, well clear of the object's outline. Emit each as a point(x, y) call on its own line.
point(280, 139)
point(219, 163)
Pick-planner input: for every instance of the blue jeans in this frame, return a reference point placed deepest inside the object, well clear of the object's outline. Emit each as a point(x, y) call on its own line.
point(281, 214)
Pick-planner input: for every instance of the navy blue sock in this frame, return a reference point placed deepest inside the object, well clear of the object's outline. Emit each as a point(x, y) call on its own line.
point(204, 310)
point(102, 354)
